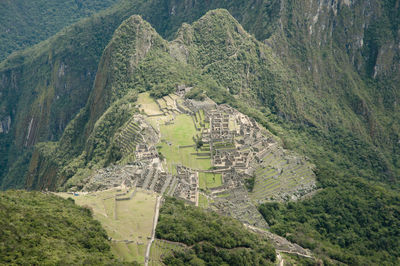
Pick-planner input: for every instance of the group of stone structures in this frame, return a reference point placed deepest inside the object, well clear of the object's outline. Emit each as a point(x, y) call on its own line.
point(241, 149)
point(149, 177)
point(188, 186)
point(238, 148)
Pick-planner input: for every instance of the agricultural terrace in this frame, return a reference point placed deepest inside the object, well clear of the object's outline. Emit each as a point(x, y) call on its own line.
point(128, 222)
point(148, 105)
point(278, 174)
point(163, 248)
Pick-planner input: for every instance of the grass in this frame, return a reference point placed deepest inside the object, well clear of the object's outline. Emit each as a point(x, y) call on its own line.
point(198, 120)
point(224, 145)
point(201, 114)
point(169, 101)
point(203, 201)
point(232, 124)
point(148, 105)
point(223, 195)
point(181, 133)
point(209, 180)
point(123, 250)
point(162, 103)
point(134, 220)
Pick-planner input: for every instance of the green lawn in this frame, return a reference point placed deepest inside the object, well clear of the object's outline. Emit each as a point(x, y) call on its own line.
point(209, 180)
point(200, 119)
point(203, 201)
point(181, 133)
point(148, 104)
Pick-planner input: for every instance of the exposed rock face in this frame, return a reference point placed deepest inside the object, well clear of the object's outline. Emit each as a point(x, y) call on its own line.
point(308, 37)
point(135, 49)
point(5, 124)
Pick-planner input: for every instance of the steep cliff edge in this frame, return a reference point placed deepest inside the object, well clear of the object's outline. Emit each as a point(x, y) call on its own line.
point(324, 82)
point(24, 23)
point(334, 49)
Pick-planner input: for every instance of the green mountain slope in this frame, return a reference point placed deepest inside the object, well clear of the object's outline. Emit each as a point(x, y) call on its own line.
point(323, 78)
point(349, 104)
point(259, 85)
point(137, 59)
point(38, 228)
point(25, 23)
point(44, 87)
point(208, 233)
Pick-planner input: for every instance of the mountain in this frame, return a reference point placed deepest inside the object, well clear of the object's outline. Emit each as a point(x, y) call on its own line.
point(49, 101)
point(362, 108)
point(320, 76)
point(138, 59)
point(42, 228)
point(45, 229)
point(25, 23)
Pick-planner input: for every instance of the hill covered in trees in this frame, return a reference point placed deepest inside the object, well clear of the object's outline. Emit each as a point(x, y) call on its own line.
point(38, 228)
point(213, 239)
point(25, 23)
point(321, 76)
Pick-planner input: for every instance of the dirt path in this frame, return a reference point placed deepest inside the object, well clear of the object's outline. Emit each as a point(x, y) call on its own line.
point(153, 231)
point(281, 261)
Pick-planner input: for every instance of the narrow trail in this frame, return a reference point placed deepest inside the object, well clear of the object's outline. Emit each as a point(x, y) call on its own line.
point(281, 261)
point(153, 231)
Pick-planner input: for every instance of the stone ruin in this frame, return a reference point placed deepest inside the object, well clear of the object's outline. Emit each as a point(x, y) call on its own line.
point(187, 187)
point(148, 176)
point(181, 90)
point(239, 149)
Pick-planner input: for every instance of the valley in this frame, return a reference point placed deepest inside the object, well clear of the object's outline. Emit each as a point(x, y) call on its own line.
point(260, 133)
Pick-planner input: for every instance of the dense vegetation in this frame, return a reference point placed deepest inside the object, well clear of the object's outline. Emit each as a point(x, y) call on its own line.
point(339, 153)
point(323, 101)
point(43, 229)
point(212, 239)
point(24, 23)
point(336, 80)
point(349, 220)
point(48, 84)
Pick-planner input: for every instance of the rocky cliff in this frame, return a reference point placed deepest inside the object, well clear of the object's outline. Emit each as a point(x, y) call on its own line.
point(345, 53)
point(322, 76)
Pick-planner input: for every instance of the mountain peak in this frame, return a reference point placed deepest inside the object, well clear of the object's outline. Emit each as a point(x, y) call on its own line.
point(221, 12)
point(131, 42)
point(219, 18)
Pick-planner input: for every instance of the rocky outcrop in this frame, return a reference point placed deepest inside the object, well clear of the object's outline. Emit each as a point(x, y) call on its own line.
point(329, 45)
point(5, 124)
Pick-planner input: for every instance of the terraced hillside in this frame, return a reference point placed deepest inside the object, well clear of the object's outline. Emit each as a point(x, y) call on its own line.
point(163, 248)
point(277, 169)
point(126, 214)
point(206, 154)
point(248, 75)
